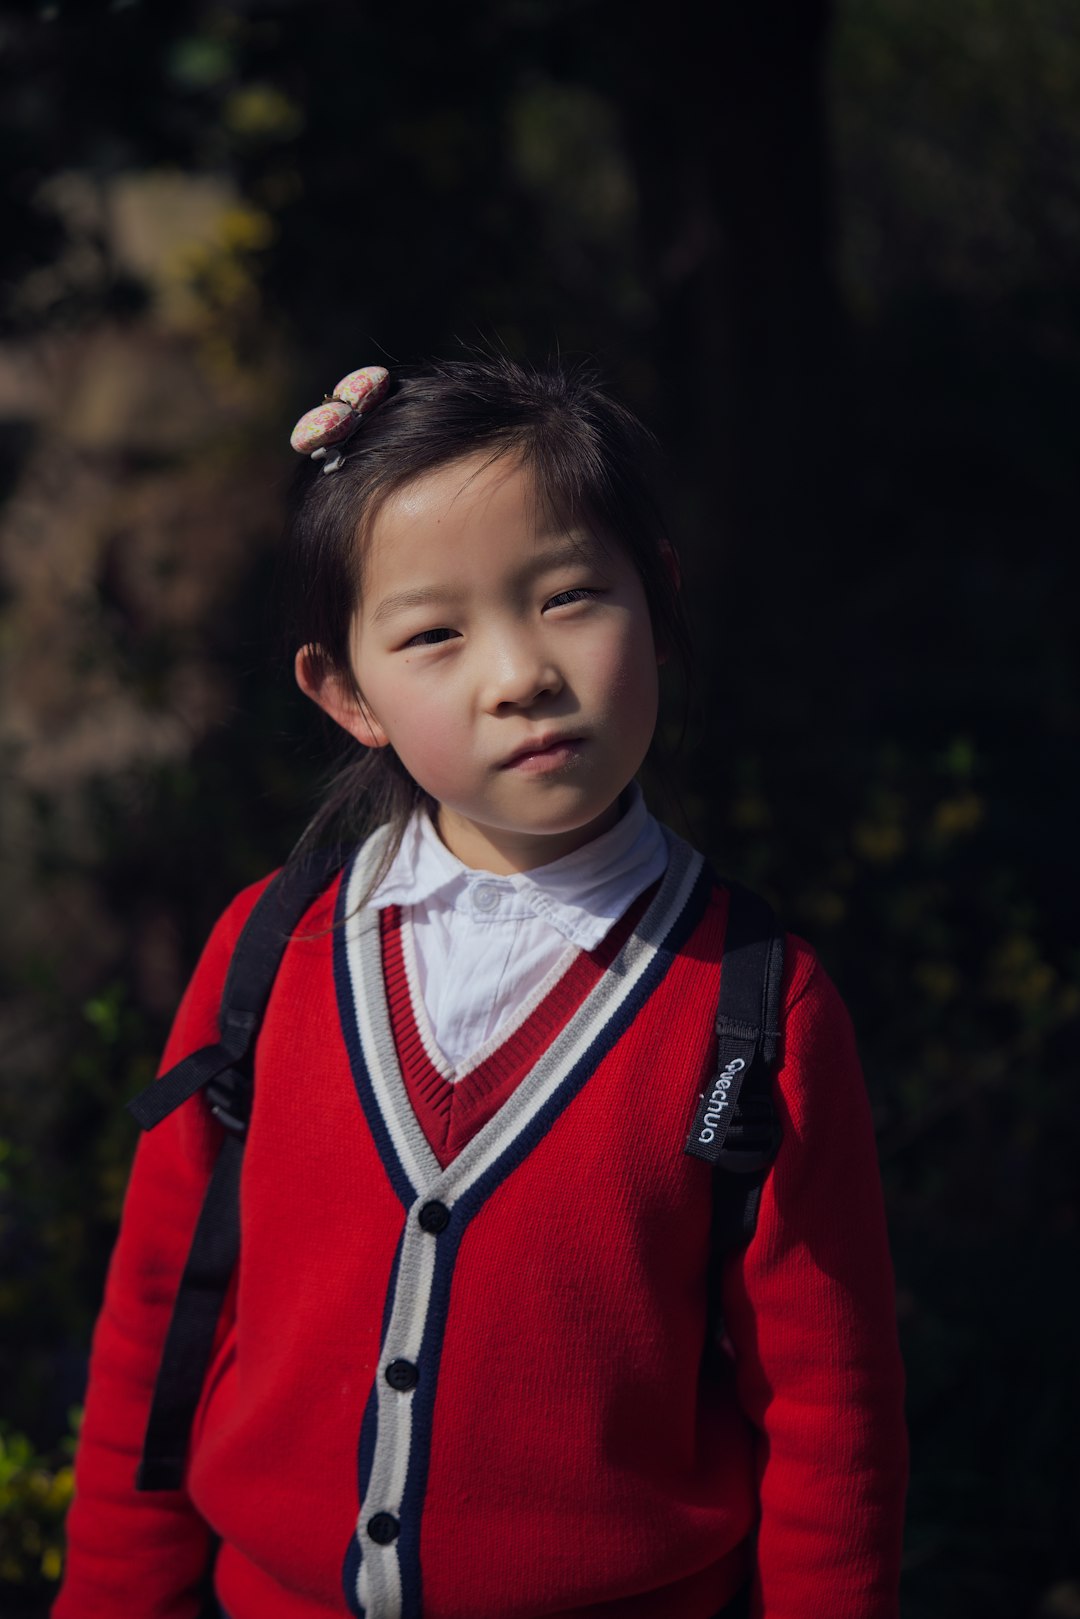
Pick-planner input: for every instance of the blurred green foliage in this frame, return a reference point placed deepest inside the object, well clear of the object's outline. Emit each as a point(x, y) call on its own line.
point(837, 268)
point(35, 1491)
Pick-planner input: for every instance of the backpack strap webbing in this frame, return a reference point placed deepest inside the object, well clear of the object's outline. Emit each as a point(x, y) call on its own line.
point(736, 1128)
point(226, 1070)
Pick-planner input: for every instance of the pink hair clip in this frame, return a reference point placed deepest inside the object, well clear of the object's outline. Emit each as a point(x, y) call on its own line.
point(339, 415)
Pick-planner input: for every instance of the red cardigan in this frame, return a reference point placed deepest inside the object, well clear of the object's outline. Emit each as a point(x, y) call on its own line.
point(472, 1389)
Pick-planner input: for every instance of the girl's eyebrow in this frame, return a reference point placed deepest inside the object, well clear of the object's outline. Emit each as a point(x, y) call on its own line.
point(574, 548)
point(420, 596)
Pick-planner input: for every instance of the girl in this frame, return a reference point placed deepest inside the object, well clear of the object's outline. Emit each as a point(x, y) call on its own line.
point(461, 1371)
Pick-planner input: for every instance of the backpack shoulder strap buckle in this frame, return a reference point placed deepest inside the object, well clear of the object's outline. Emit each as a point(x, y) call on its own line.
point(229, 1095)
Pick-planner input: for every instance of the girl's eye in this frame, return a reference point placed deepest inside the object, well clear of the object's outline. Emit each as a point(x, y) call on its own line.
point(430, 637)
point(579, 594)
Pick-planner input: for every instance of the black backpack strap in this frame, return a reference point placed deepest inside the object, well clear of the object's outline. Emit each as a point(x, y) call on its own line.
point(736, 1128)
point(226, 1070)
point(734, 1123)
point(753, 1136)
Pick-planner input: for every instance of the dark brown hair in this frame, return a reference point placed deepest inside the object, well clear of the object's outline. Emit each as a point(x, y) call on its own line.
point(589, 460)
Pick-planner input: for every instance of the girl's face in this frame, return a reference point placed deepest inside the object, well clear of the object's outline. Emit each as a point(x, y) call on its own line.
point(511, 665)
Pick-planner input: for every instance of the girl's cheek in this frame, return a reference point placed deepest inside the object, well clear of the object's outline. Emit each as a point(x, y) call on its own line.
point(629, 665)
point(429, 742)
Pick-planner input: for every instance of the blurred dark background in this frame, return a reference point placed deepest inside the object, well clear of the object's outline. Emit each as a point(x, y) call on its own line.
point(832, 256)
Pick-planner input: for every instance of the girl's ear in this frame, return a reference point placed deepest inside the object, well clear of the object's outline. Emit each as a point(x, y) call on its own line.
point(336, 696)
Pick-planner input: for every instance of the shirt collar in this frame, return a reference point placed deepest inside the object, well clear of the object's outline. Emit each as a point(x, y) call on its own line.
point(582, 895)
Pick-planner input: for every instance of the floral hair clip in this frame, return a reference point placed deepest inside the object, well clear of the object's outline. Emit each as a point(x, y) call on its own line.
point(339, 415)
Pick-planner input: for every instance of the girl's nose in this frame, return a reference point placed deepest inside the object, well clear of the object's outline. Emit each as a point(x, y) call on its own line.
point(518, 674)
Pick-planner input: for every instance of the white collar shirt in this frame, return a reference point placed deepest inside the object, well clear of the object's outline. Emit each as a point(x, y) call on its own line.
point(482, 950)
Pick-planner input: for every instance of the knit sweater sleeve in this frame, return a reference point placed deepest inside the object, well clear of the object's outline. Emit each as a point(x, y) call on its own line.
point(810, 1311)
point(143, 1555)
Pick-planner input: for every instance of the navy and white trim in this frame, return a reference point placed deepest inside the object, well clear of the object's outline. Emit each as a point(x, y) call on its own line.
point(382, 1568)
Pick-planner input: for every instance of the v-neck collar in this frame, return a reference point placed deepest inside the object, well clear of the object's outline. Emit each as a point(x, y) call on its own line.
point(549, 1085)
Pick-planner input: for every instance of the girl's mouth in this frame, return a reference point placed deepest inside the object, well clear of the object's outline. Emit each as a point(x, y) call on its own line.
point(546, 755)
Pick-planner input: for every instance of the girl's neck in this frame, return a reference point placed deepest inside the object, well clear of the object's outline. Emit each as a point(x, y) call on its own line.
point(503, 850)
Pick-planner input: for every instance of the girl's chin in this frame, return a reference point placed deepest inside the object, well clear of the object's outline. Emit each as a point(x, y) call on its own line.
point(502, 849)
